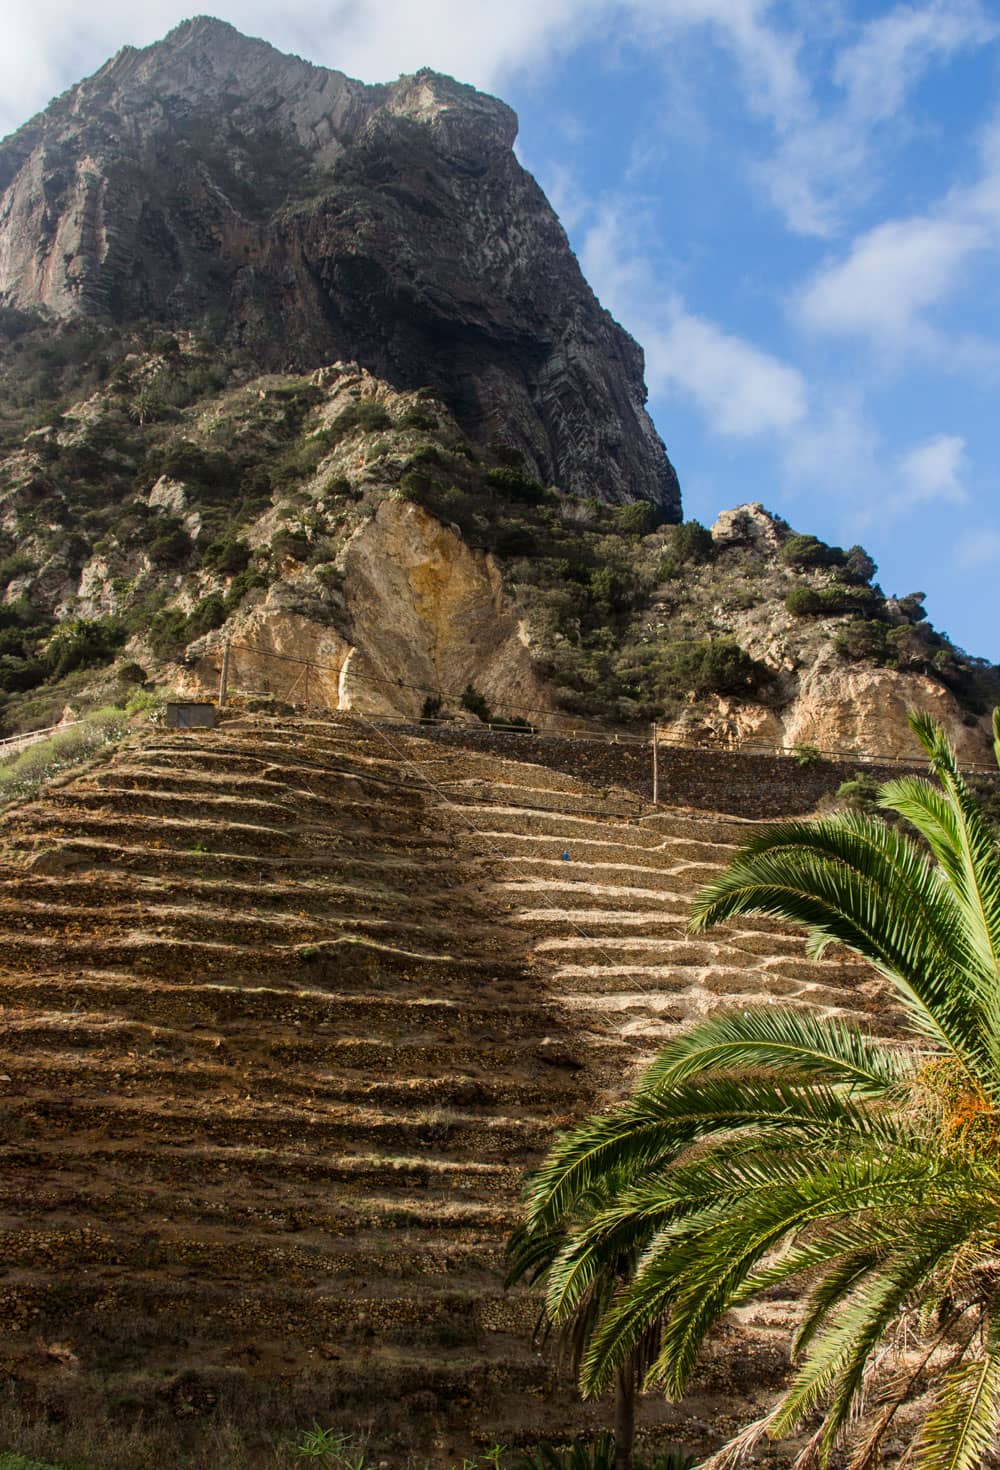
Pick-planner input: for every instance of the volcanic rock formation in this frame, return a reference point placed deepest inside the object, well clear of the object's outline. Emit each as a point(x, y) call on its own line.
point(211, 181)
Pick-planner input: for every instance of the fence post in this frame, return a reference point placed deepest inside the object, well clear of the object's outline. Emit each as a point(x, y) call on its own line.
point(656, 769)
point(224, 676)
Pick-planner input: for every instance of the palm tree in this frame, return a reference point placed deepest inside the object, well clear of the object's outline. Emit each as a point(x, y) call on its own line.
point(774, 1146)
point(581, 1287)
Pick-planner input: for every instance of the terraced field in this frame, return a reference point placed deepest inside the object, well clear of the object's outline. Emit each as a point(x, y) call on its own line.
point(287, 1008)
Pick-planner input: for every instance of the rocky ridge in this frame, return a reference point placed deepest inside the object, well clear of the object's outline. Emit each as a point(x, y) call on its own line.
point(362, 553)
point(210, 182)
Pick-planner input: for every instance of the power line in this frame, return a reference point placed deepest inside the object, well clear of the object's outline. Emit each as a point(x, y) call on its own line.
point(499, 726)
point(462, 813)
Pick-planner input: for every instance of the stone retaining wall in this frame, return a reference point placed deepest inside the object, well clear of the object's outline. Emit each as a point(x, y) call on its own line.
point(738, 783)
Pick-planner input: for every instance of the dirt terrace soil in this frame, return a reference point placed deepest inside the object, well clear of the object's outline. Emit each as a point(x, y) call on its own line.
point(282, 1025)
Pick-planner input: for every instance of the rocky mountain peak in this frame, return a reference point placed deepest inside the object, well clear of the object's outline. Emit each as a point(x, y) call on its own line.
point(210, 182)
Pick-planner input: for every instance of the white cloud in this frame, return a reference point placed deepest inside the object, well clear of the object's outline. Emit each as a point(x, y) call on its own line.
point(895, 50)
point(838, 449)
point(933, 471)
point(49, 44)
point(977, 548)
point(892, 274)
point(831, 160)
point(741, 390)
point(767, 56)
point(836, 434)
point(813, 170)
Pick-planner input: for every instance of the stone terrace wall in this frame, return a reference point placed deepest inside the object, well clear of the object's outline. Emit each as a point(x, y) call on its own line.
point(738, 783)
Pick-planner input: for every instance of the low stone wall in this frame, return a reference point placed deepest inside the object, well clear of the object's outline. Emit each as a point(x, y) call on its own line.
point(738, 783)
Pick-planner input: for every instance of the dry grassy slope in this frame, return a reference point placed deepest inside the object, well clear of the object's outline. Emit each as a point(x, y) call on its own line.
point(282, 1026)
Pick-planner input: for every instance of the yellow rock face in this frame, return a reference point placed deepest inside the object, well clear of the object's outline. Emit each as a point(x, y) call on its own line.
point(428, 615)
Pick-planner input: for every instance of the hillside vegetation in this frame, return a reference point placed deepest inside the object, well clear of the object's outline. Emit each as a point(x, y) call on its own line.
point(154, 488)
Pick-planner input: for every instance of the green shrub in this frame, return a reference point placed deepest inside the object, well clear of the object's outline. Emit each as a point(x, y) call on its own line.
point(516, 484)
point(144, 702)
point(807, 756)
point(808, 551)
point(474, 702)
point(302, 459)
point(171, 545)
point(227, 555)
point(691, 544)
point(82, 643)
point(20, 673)
point(339, 485)
point(330, 577)
point(638, 518)
point(461, 446)
point(208, 614)
point(417, 418)
point(514, 722)
point(711, 666)
point(167, 632)
point(912, 606)
point(861, 792)
point(416, 486)
point(858, 565)
point(196, 466)
point(287, 542)
point(805, 602)
point(865, 639)
point(515, 541)
point(21, 775)
point(18, 1462)
point(238, 588)
point(424, 455)
point(24, 615)
point(597, 1454)
point(364, 415)
point(15, 565)
point(832, 601)
point(615, 591)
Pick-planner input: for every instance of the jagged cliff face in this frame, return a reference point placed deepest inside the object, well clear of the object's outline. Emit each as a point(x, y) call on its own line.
point(209, 181)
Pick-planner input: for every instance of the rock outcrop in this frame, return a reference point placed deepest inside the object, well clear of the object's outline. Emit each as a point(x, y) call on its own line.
point(818, 697)
point(423, 613)
point(211, 181)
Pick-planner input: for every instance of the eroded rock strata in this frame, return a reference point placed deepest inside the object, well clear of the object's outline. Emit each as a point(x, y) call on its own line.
point(211, 181)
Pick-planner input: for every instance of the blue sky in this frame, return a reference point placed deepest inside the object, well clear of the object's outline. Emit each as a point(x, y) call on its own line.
point(795, 207)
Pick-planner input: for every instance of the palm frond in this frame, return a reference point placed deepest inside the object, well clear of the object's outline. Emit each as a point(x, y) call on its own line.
point(648, 1131)
point(835, 1367)
point(774, 1037)
point(770, 1147)
point(854, 880)
point(971, 860)
point(961, 1428)
point(711, 1256)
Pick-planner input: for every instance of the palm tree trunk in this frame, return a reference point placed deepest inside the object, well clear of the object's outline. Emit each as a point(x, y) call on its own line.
point(625, 1385)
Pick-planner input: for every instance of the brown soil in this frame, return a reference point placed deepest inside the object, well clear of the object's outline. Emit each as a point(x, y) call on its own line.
point(282, 1025)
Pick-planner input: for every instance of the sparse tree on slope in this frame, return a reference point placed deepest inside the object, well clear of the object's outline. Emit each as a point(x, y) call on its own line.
point(773, 1146)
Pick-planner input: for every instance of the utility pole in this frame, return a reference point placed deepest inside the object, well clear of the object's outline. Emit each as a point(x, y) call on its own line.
point(224, 676)
point(656, 769)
